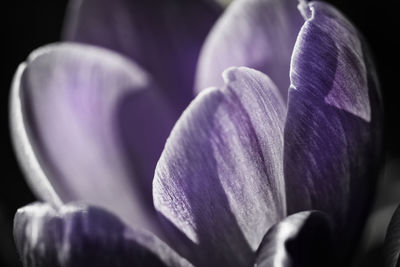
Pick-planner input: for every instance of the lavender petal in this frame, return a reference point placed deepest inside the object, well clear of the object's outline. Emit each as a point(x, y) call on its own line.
point(89, 125)
point(333, 131)
point(220, 176)
point(78, 235)
point(163, 37)
point(259, 34)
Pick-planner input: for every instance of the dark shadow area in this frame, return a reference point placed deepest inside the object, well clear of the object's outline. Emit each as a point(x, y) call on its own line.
point(313, 247)
point(144, 120)
point(25, 25)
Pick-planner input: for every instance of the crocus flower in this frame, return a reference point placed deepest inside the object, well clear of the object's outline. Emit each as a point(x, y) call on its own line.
point(273, 165)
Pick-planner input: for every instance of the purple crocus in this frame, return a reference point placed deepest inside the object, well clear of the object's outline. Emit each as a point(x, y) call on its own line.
point(273, 163)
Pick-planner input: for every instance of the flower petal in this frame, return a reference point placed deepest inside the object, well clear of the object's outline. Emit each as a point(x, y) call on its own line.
point(392, 241)
point(333, 131)
point(91, 125)
point(78, 235)
point(254, 33)
point(164, 37)
point(302, 239)
point(220, 176)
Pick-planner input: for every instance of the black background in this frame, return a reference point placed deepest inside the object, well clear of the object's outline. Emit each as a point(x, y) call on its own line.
point(26, 25)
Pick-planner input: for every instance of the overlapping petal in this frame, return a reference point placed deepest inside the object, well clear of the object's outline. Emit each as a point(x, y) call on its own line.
point(254, 33)
point(220, 176)
point(302, 239)
point(392, 241)
point(93, 125)
point(77, 235)
point(163, 36)
point(89, 125)
point(334, 121)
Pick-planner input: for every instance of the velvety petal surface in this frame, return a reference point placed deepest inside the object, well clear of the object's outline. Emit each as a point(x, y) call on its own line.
point(254, 33)
point(220, 176)
point(303, 239)
point(89, 125)
point(77, 235)
point(392, 241)
point(163, 36)
point(333, 131)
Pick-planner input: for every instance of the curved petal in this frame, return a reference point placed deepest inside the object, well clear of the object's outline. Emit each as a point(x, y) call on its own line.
point(392, 241)
point(91, 125)
point(220, 176)
point(333, 131)
point(164, 37)
point(77, 235)
point(302, 239)
point(254, 33)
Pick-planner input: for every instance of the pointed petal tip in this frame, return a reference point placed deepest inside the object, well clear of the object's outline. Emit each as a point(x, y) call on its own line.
point(304, 8)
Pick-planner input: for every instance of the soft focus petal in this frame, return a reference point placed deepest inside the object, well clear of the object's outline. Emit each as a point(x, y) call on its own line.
point(300, 240)
point(223, 3)
point(93, 124)
point(81, 236)
point(392, 241)
point(333, 128)
point(220, 176)
point(163, 36)
point(254, 33)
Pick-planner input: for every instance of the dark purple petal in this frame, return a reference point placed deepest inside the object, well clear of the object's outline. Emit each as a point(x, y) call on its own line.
point(91, 125)
point(220, 176)
point(77, 235)
point(333, 131)
point(303, 239)
point(163, 36)
point(392, 241)
point(254, 33)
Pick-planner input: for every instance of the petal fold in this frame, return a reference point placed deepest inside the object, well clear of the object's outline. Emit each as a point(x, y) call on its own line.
point(259, 34)
point(333, 131)
point(89, 125)
point(78, 235)
point(220, 176)
point(163, 37)
point(302, 239)
point(392, 241)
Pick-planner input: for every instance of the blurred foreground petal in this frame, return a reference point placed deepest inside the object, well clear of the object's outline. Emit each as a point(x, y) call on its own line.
point(220, 176)
point(80, 236)
point(94, 125)
point(333, 131)
point(163, 36)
